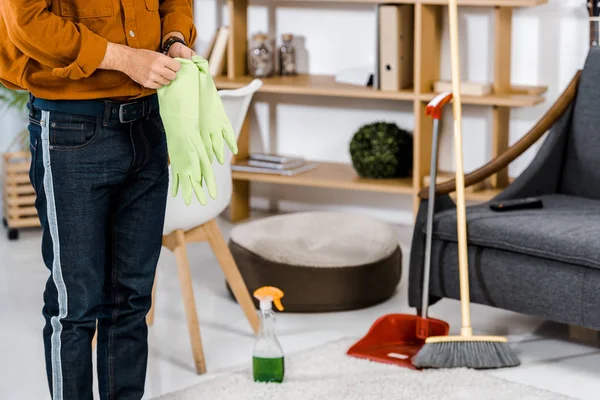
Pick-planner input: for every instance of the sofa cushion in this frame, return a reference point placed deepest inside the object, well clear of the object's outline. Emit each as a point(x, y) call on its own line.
point(566, 229)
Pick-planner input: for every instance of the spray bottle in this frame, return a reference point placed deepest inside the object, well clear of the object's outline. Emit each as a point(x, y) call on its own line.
point(267, 356)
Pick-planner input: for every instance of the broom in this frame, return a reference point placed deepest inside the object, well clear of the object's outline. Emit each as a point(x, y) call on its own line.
point(465, 350)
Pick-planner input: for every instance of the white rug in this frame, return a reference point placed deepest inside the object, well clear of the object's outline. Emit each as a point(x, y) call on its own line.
point(327, 373)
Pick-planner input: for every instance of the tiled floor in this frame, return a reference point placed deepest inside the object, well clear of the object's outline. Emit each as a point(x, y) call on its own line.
point(549, 359)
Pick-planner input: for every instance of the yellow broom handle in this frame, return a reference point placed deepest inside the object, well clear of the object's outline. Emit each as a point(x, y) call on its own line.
point(461, 220)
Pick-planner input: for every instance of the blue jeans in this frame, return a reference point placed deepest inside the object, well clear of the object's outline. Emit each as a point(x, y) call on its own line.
point(101, 189)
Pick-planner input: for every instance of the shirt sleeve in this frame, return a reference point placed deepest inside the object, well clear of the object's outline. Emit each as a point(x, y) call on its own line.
point(72, 50)
point(176, 15)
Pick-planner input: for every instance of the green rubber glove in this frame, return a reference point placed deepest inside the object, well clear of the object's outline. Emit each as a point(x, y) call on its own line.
point(214, 123)
point(179, 110)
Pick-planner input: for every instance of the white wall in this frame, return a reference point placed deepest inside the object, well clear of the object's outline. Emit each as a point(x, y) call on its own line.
point(549, 44)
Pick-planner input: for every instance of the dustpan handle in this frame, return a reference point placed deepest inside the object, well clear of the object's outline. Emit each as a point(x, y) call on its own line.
point(461, 220)
point(434, 109)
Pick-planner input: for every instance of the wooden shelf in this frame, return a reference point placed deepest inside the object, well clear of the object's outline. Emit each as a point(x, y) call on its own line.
point(333, 176)
point(325, 85)
point(506, 100)
point(470, 3)
point(343, 176)
point(314, 85)
point(489, 3)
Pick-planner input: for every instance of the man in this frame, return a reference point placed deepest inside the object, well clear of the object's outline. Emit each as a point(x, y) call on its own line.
point(100, 171)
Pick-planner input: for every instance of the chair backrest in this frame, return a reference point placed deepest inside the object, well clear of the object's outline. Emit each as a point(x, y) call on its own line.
point(581, 166)
point(236, 103)
point(181, 216)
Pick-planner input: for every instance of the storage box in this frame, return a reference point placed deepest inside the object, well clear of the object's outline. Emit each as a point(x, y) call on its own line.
point(396, 47)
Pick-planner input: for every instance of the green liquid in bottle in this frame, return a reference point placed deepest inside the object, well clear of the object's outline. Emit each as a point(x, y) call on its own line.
point(268, 369)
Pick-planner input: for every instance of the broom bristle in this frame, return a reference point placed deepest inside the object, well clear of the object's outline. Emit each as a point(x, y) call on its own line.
point(466, 354)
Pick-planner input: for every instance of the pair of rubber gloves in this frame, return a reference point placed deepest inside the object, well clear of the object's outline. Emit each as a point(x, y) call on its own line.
point(196, 127)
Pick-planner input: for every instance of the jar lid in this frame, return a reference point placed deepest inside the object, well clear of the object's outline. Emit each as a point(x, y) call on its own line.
point(260, 36)
point(287, 36)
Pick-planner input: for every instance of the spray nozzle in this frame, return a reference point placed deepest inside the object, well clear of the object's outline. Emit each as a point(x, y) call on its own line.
point(268, 294)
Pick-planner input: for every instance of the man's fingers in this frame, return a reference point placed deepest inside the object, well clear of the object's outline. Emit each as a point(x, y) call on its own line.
point(171, 63)
point(168, 74)
point(161, 80)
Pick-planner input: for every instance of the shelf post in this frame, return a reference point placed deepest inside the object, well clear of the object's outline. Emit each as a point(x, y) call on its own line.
point(238, 39)
point(239, 209)
point(501, 84)
point(428, 41)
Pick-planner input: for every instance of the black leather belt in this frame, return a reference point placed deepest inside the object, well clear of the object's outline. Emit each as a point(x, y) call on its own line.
point(124, 112)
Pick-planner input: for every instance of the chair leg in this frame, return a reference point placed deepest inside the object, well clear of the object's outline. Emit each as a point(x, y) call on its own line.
point(150, 316)
point(189, 303)
point(232, 273)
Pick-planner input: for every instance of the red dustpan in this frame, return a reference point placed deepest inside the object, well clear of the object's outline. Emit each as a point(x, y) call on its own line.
point(396, 338)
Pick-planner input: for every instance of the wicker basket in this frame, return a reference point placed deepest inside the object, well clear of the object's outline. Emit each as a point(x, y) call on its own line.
point(18, 194)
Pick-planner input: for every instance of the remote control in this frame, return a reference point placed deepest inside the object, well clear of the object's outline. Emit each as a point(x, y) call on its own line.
point(517, 204)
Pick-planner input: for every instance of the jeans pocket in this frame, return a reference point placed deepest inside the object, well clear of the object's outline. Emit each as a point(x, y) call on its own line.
point(72, 132)
point(154, 131)
point(155, 118)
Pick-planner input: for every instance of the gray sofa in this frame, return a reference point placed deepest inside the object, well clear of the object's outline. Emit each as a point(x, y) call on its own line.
point(543, 262)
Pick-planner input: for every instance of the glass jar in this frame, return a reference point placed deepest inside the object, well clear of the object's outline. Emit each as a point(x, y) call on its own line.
point(287, 56)
point(261, 56)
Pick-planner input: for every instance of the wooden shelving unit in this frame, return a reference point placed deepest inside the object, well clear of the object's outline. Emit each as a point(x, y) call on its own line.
point(428, 38)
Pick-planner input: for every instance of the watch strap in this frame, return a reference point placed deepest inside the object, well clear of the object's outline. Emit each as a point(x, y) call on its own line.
point(171, 40)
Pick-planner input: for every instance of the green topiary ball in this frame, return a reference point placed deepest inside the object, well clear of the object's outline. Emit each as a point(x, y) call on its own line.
point(382, 150)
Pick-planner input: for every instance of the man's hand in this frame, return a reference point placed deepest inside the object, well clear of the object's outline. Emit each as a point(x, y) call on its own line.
point(151, 69)
point(148, 68)
point(179, 50)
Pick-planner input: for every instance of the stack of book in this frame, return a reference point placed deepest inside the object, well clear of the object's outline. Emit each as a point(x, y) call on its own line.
point(273, 164)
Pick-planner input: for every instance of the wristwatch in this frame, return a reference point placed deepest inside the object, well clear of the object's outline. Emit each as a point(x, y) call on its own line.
point(171, 40)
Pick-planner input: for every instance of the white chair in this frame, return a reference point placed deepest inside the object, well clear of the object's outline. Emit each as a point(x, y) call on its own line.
point(196, 223)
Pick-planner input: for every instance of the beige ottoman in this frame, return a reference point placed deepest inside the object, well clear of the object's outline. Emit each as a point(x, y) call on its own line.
point(323, 261)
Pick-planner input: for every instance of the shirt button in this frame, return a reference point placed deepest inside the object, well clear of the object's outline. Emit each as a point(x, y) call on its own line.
point(132, 33)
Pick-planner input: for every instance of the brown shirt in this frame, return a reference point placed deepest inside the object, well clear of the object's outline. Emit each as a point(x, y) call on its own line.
point(53, 47)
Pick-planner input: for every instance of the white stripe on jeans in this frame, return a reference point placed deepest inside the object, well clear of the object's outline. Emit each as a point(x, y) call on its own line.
point(57, 377)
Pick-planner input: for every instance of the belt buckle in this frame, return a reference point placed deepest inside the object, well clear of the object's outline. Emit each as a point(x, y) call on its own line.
point(122, 112)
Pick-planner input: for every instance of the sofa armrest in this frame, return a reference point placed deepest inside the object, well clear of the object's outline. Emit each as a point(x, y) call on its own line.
point(555, 112)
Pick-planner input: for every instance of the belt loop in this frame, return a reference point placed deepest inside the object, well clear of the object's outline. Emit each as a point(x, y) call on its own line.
point(107, 111)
